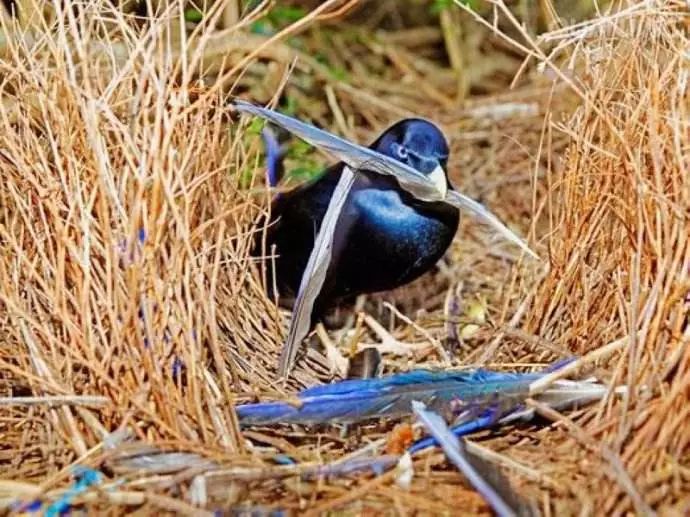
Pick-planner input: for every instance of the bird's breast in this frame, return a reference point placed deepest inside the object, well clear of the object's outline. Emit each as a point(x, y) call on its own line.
point(397, 226)
point(395, 239)
point(384, 237)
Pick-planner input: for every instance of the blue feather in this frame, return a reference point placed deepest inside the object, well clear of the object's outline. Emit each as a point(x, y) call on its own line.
point(274, 157)
point(85, 477)
point(484, 477)
point(483, 421)
point(392, 396)
point(490, 400)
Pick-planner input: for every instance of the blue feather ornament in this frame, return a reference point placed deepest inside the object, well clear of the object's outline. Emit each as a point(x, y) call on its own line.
point(274, 157)
point(356, 400)
point(485, 477)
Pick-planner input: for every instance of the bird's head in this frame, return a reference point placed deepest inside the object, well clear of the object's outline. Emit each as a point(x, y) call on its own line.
point(419, 144)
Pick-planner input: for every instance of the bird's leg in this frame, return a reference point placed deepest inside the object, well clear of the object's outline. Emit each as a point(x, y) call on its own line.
point(335, 318)
point(452, 309)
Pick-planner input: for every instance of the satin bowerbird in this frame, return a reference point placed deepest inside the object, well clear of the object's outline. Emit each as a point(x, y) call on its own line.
point(385, 237)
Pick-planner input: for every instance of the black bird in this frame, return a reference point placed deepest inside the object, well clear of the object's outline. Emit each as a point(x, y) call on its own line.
point(384, 237)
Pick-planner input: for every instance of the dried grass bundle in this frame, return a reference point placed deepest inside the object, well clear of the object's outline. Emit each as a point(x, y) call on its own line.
point(620, 256)
point(125, 219)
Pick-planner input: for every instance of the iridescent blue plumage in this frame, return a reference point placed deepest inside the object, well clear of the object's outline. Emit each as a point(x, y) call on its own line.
point(392, 396)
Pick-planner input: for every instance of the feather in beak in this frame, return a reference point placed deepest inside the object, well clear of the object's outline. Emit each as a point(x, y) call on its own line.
point(438, 178)
point(427, 188)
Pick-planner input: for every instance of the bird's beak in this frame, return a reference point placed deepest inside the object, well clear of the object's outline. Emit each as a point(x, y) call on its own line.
point(438, 178)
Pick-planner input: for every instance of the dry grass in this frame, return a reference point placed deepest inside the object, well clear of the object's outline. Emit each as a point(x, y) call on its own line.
point(129, 303)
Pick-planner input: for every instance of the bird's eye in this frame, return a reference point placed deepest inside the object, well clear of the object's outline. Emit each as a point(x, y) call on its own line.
point(400, 151)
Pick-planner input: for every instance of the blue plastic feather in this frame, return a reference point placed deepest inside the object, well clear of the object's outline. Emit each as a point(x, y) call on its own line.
point(484, 421)
point(392, 396)
point(479, 412)
point(85, 478)
point(274, 157)
point(484, 477)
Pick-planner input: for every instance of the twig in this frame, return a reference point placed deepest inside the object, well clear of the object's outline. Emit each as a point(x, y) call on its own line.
point(56, 400)
point(543, 383)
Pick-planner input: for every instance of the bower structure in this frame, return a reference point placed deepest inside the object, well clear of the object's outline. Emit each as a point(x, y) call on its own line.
point(132, 318)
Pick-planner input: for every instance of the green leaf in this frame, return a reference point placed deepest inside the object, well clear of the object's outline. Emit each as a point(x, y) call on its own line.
point(278, 17)
point(306, 172)
point(246, 175)
point(286, 14)
point(193, 15)
point(439, 6)
point(263, 27)
point(289, 107)
point(299, 149)
point(339, 73)
point(255, 127)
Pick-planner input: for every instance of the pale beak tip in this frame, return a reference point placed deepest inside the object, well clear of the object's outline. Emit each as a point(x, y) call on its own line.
point(438, 178)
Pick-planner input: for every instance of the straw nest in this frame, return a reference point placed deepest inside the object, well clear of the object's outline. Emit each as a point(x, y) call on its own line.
point(132, 318)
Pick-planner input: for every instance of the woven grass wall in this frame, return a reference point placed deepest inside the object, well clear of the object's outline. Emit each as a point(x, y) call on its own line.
point(132, 318)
